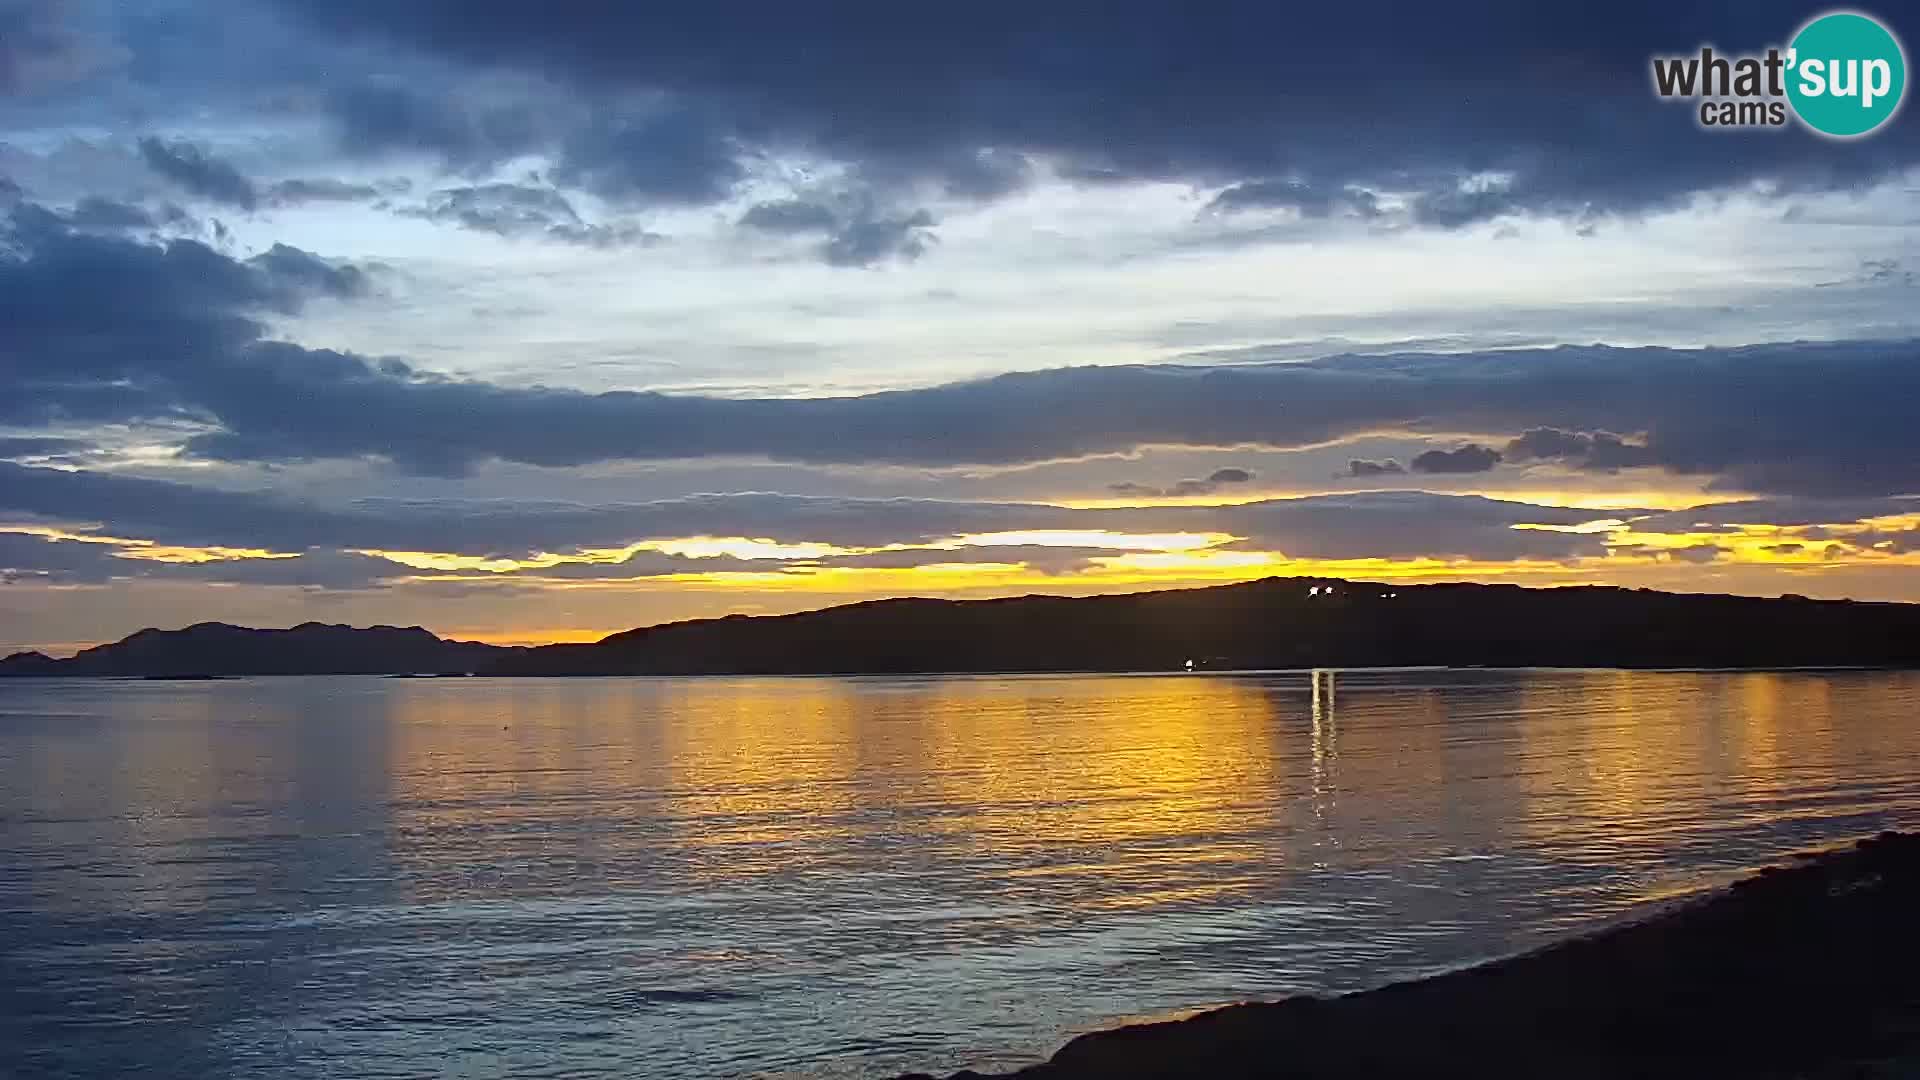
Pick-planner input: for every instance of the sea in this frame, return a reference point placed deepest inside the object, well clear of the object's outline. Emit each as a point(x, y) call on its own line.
point(341, 878)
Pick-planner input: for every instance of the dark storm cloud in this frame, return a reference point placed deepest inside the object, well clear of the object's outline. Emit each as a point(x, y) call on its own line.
point(196, 170)
point(1471, 458)
point(1475, 112)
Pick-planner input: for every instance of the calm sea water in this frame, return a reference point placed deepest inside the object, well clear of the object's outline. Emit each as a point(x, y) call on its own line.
point(342, 878)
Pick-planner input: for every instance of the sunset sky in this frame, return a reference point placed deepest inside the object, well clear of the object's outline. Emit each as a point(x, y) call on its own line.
point(533, 322)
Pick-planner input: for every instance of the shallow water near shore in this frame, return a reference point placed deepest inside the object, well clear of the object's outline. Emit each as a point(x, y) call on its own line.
point(358, 877)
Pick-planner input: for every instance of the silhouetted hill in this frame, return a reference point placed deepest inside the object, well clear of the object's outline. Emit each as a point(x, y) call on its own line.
point(1277, 622)
point(27, 663)
point(308, 649)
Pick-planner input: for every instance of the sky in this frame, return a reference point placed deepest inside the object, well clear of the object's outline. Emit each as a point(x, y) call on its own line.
point(535, 322)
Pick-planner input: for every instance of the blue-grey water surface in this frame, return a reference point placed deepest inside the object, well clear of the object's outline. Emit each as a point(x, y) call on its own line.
point(338, 878)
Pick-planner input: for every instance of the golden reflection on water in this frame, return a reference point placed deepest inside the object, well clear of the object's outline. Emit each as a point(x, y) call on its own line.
point(1141, 787)
point(1148, 780)
point(1146, 790)
point(807, 865)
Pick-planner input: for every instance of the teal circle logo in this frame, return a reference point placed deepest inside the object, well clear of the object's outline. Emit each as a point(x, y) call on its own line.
point(1846, 74)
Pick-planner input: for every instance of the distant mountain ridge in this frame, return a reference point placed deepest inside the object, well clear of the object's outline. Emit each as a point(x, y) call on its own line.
point(312, 648)
point(1272, 623)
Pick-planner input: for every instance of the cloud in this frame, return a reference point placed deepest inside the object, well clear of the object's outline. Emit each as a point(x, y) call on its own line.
point(1597, 450)
point(33, 446)
point(671, 157)
point(522, 211)
point(110, 328)
point(1371, 525)
point(115, 329)
point(790, 216)
point(1213, 482)
point(1366, 468)
point(1154, 92)
point(1299, 196)
point(852, 231)
point(41, 44)
point(195, 170)
point(464, 131)
point(97, 214)
point(1471, 458)
point(322, 189)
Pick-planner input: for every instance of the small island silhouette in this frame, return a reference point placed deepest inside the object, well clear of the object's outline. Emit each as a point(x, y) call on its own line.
point(1270, 623)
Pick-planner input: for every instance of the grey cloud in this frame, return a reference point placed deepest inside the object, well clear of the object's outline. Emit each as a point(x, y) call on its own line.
point(1212, 483)
point(1697, 553)
point(1799, 512)
point(853, 232)
point(376, 119)
point(93, 212)
point(671, 158)
point(107, 328)
point(1040, 557)
point(521, 211)
point(1598, 450)
point(790, 216)
point(322, 189)
point(115, 329)
point(28, 446)
point(1380, 524)
point(1365, 468)
point(25, 557)
point(866, 241)
point(195, 170)
point(1170, 92)
point(1399, 524)
point(1297, 195)
point(1471, 458)
point(43, 43)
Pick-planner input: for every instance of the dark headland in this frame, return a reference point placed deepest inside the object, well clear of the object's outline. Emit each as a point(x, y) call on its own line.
point(1272, 623)
point(1807, 971)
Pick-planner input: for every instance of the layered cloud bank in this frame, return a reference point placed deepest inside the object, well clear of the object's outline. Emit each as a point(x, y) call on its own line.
point(112, 329)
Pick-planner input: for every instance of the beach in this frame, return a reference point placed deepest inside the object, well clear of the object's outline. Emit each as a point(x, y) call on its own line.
point(1801, 970)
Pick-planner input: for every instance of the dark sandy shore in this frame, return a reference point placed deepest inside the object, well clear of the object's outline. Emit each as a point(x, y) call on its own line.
point(1809, 970)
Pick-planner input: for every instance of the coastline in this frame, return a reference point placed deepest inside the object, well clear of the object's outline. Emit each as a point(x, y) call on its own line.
point(1808, 969)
